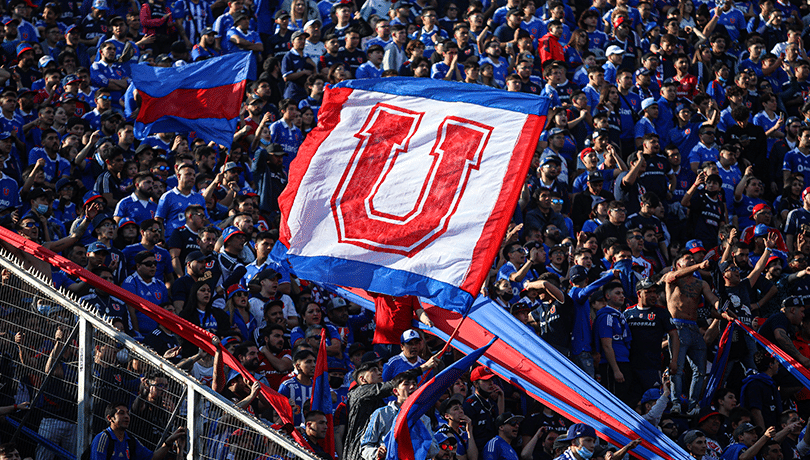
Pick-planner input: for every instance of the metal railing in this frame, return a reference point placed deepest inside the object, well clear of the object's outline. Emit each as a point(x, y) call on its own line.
point(70, 363)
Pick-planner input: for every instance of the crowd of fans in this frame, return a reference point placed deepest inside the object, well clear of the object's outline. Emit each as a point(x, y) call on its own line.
point(667, 196)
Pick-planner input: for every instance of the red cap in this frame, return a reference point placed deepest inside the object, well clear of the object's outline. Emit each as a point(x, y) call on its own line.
point(481, 373)
point(805, 192)
point(759, 208)
point(619, 21)
point(585, 152)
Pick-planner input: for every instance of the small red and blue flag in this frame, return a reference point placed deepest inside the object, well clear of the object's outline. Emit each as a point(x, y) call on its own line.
point(410, 439)
point(322, 395)
point(204, 97)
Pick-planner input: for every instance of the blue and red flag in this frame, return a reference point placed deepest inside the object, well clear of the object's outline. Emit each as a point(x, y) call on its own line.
point(204, 97)
point(322, 396)
point(410, 439)
point(527, 362)
point(719, 366)
point(406, 183)
point(793, 366)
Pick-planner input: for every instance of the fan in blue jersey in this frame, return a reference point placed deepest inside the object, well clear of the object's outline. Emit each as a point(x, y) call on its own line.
point(299, 388)
point(172, 205)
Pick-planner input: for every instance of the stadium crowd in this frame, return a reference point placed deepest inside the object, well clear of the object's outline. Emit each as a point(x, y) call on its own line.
point(667, 196)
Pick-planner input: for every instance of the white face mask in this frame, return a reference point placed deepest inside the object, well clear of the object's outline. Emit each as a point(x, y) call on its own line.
point(585, 453)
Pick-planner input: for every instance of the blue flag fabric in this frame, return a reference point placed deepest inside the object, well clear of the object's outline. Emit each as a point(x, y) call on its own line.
point(410, 439)
point(204, 97)
point(718, 366)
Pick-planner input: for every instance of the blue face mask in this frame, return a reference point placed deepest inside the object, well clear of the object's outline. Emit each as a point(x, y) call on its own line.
point(585, 453)
point(264, 142)
point(42, 208)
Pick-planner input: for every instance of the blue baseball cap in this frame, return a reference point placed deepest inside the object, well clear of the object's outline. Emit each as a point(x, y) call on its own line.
point(5, 135)
point(579, 430)
point(97, 246)
point(91, 196)
point(23, 47)
point(231, 231)
point(651, 395)
point(761, 230)
point(694, 246)
point(577, 273)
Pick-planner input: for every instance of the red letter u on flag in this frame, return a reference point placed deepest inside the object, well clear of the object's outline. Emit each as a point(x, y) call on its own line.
point(386, 134)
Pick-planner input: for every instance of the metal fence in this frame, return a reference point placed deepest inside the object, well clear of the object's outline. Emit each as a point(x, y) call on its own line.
point(70, 363)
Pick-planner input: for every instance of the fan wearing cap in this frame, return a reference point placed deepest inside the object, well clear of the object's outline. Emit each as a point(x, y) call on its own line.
point(780, 327)
point(240, 38)
point(144, 284)
point(499, 447)
point(591, 161)
point(583, 442)
point(296, 67)
point(412, 346)
point(102, 301)
point(484, 405)
point(381, 422)
point(553, 171)
point(797, 217)
point(457, 428)
point(206, 47)
point(150, 235)
point(172, 209)
point(746, 445)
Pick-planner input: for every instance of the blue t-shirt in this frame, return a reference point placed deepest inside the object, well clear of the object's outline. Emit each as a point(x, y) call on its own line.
point(398, 363)
point(289, 137)
point(701, 153)
point(154, 292)
point(797, 162)
point(367, 70)
point(172, 209)
point(498, 449)
point(610, 323)
point(504, 273)
point(135, 209)
point(98, 449)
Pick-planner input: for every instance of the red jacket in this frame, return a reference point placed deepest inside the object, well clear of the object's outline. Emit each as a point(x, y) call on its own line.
point(549, 48)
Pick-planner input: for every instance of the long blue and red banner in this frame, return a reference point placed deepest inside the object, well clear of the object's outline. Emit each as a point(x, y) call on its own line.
point(797, 370)
point(526, 361)
point(204, 97)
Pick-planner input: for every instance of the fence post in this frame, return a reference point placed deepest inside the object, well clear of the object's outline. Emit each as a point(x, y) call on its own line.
point(85, 389)
point(194, 420)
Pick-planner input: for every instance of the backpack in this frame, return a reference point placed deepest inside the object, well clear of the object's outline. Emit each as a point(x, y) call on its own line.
point(131, 445)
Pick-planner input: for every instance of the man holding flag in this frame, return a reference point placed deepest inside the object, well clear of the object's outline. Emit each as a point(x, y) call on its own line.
point(372, 446)
point(368, 396)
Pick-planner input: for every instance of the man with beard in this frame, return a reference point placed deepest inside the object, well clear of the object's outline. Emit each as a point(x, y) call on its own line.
point(139, 206)
point(248, 355)
point(54, 167)
point(275, 361)
point(196, 264)
point(25, 70)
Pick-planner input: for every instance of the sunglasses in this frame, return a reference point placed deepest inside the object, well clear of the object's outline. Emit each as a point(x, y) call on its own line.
point(668, 426)
point(105, 98)
point(557, 201)
point(240, 294)
point(149, 264)
point(28, 224)
point(447, 447)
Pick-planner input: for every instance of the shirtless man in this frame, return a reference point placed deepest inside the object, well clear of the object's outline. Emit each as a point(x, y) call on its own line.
point(685, 293)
